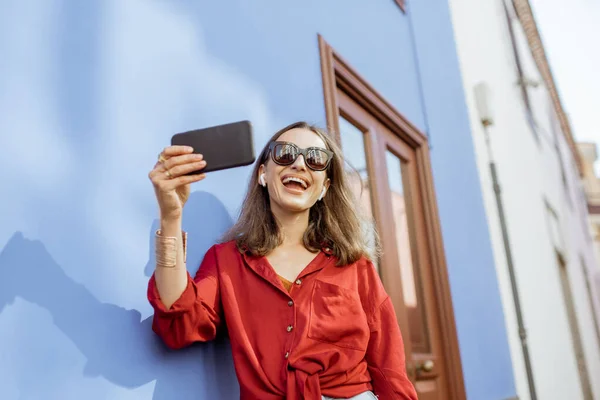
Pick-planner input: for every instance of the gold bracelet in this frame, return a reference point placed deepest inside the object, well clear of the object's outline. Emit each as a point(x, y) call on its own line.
point(166, 249)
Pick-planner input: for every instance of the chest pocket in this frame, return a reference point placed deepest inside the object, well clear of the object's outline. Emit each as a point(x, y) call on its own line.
point(337, 317)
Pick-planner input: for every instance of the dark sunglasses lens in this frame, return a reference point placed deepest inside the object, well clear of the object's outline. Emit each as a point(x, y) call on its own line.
point(285, 154)
point(317, 159)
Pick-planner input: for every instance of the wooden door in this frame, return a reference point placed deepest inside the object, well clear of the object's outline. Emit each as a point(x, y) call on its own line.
point(390, 189)
point(395, 187)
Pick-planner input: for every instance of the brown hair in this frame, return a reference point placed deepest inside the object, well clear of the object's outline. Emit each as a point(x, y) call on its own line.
point(333, 221)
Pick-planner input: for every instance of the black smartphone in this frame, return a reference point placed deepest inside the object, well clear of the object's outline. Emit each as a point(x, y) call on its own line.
point(223, 146)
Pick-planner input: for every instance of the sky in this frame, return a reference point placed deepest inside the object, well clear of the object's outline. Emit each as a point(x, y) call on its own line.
point(571, 32)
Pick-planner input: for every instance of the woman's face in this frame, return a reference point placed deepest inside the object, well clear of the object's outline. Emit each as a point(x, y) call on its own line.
point(286, 194)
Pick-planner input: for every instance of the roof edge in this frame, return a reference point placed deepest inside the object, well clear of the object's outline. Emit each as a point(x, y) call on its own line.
point(536, 46)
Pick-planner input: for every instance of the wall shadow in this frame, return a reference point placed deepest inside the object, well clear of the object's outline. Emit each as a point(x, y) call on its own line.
point(117, 343)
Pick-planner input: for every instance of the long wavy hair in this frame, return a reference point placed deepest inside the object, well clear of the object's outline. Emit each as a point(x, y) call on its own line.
point(333, 222)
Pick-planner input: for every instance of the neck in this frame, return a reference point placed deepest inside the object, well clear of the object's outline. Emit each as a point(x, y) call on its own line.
point(292, 225)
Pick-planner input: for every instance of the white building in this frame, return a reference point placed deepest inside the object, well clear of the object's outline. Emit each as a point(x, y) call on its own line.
point(538, 214)
point(589, 156)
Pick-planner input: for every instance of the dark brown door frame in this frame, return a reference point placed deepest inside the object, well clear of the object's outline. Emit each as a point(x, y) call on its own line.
point(336, 73)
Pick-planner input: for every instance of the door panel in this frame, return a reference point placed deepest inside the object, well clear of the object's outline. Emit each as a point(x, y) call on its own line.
point(414, 261)
point(353, 141)
point(391, 175)
point(413, 297)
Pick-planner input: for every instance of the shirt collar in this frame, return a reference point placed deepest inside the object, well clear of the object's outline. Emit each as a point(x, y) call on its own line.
point(262, 267)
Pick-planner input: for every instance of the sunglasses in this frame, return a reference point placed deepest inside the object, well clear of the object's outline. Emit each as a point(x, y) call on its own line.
point(285, 153)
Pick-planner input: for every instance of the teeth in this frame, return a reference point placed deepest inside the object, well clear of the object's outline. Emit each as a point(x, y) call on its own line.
point(293, 179)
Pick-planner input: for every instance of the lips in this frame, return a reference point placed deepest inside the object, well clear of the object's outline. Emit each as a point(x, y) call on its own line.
point(295, 182)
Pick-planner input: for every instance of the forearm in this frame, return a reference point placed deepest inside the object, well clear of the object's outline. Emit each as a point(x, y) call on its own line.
point(171, 281)
point(186, 310)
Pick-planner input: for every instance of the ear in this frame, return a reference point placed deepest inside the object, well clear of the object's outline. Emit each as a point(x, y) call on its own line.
point(325, 188)
point(261, 176)
point(322, 193)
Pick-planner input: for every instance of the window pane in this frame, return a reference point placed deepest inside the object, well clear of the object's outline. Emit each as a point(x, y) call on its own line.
point(353, 145)
point(408, 270)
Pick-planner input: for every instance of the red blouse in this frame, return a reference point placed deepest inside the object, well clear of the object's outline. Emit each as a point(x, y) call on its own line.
point(334, 333)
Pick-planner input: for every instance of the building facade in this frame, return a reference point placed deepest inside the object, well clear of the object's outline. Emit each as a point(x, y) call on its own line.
point(530, 174)
point(92, 91)
point(589, 157)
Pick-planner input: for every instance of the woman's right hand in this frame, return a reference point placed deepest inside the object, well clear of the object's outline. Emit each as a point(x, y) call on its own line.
point(171, 184)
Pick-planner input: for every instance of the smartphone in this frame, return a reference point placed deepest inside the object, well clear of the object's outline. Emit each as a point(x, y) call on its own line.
point(223, 146)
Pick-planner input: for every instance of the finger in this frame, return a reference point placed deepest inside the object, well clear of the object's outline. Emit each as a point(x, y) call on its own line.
point(171, 151)
point(160, 174)
point(157, 170)
point(181, 160)
point(187, 179)
point(175, 183)
point(161, 166)
point(167, 175)
point(185, 169)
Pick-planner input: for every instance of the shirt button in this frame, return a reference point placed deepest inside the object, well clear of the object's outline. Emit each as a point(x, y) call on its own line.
point(298, 281)
point(290, 303)
point(287, 354)
point(289, 328)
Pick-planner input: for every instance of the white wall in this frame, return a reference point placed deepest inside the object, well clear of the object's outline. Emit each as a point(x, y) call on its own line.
point(591, 182)
point(529, 171)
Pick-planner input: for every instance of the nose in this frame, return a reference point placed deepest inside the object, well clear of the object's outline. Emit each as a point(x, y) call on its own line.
point(299, 163)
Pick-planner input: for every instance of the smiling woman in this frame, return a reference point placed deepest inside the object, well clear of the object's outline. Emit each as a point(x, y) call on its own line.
point(328, 210)
point(293, 280)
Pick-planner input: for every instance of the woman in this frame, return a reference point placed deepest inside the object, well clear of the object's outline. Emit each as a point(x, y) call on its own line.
point(305, 310)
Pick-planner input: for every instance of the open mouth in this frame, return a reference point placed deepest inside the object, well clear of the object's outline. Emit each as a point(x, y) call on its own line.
point(295, 183)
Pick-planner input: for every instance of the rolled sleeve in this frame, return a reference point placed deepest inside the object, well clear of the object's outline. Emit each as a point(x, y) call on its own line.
point(196, 315)
point(184, 303)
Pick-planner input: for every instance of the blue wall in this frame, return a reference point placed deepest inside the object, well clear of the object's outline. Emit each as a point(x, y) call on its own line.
point(478, 311)
point(90, 92)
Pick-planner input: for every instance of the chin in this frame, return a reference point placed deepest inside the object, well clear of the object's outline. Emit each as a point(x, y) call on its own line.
point(296, 205)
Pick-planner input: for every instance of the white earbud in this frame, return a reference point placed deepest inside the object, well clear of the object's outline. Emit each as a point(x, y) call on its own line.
point(322, 194)
point(262, 181)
